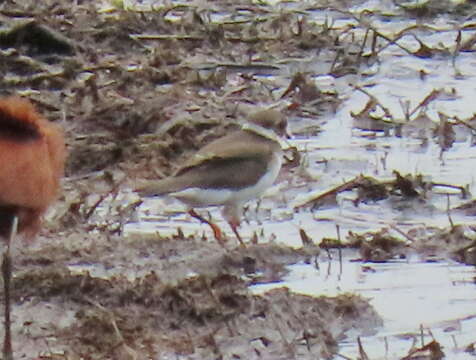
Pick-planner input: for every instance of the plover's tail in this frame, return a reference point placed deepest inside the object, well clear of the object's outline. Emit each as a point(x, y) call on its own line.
point(160, 187)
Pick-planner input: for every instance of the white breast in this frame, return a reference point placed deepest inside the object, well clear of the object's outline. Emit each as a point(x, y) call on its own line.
point(260, 187)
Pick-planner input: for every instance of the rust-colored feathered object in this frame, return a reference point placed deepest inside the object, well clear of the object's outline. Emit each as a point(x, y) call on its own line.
point(32, 155)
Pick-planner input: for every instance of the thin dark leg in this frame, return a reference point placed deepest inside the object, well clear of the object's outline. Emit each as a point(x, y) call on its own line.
point(216, 230)
point(7, 277)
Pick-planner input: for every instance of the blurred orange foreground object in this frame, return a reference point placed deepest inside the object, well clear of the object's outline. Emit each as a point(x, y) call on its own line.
point(32, 156)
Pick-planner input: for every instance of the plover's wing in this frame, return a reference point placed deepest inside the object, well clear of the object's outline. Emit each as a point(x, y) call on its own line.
point(239, 144)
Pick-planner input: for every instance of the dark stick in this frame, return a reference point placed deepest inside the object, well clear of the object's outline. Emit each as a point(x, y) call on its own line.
point(7, 277)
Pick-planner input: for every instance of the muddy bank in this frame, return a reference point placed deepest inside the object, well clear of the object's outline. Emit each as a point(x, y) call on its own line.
point(138, 89)
point(158, 298)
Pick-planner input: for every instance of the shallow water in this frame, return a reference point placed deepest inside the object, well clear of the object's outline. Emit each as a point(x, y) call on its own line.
point(440, 296)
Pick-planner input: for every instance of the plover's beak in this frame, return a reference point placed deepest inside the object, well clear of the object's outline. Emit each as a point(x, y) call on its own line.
point(285, 144)
point(287, 133)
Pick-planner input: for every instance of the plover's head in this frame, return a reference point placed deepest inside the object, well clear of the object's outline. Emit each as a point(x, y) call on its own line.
point(271, 119)
point(270, 123)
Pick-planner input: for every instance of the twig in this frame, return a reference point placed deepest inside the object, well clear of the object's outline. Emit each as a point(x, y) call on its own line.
point(117, 332)
point(448, 212)
point(401, 232)
point(430, 97)
point(349, 185)
point(362, 353)
point(165, 37)
point(343, 356)
point(422, 335)
point(339, 250)
point(464, 123)
point(377, 103)
point(457, 187)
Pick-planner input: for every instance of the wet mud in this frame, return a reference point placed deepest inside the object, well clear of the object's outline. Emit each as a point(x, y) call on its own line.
point(378, 97)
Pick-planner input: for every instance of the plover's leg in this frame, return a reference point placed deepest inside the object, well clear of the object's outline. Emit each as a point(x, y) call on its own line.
point(232, 214)
point(216, 230)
